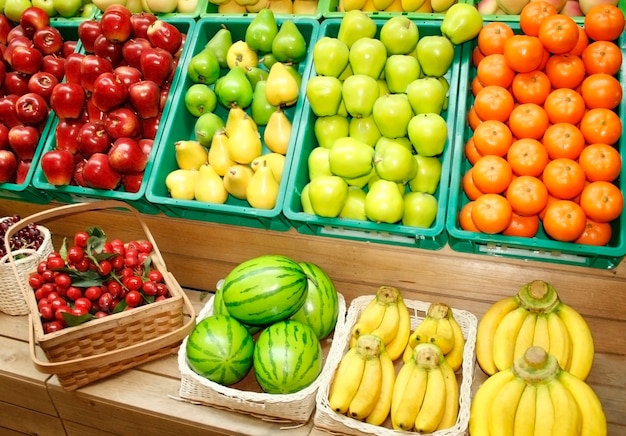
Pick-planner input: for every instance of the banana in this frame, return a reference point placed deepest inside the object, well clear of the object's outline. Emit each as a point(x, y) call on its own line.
point(593, 420)
point(544, 412)
point(433, 406)
point(422, 333)
point(399, 386)
point(451, 409)
point(404, 407)
point(505, 336)
point(481, 404)
point(504, 406)
point(486, 329)
point(389, 326)
point(367, 394)
point(582, 352)
point(566, 411)
point(398, 344)
point(455, 356)
point(560, 342)
point(347, 381)
point(525, 414)
point(444, 337)
point(542, 335)
point(525, 336)
point(383, 406)
point(370, 318)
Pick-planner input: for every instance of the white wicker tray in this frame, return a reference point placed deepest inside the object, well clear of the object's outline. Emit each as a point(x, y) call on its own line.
point(328, 420)
point(246, 396)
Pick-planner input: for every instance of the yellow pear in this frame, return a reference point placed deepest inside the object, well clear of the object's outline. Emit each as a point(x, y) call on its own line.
point(382, 5)
point(181, 184)
point(231, 7)
point(281, 6)
point(244, 144)
point(426, 7)
point(411, 5)
point(369, 6)
point(395, 6)
point(260, 4)
point(276, 162)
point(441, 5)
point(349, 5)
point(278, 132)
point(190, 154)
point(262, 190)
point(305, 7)
point(209, 187)
point(219, 158)
point(236, 180)
point(281, 87)
point(235, 114)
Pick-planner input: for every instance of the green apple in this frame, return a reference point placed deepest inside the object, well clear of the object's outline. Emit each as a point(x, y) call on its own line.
point(350, 158)
point(305, 201)
point(400, 71)
point(328, 195)
point(394, 162)
point(324, 95)
point(103, 4)
point(383, 202)
point(13, 9)
point(359, 92)
point(435, 54)
point(428, 134)
point(355, 205)
point(382, 85)
point(403, 141)
point(428, 174)
point(355, 25)
point(318, 163)
point(364, 129)
point(205, 127)
point(327, 129)
point(45, 5)
point(392, 113)
point(362, 181)
point(368, 56)
point(446, 86)
point(162, 6)
point(186, 6)
point(426, 95)
point(89, 10)
point(420, 209)
point(330, 56)
point(461, 22)
point(399, 34)
point(68, 8)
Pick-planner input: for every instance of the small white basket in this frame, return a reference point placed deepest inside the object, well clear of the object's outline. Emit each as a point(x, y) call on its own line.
point(246, 396)
point(328, 420)
point(12, 300)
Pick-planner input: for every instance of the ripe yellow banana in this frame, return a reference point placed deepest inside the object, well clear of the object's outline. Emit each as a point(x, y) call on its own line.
point(582, 353)
point(444, 337)
point(481, 404)
point(383, 406)
point(525, 414)
point(505, 336)
point(422, 333)
point(389, 326)
point(404, 407)
point(504, 406)
point(367, 394)
point(402, 378)
point(486, 329)
point(525, 336)
point(544, 415)
point(370, 318)
point(593, 420)
point(455, 356)
point(396, 347)
point(560, 342)
point(566, 412)
point(542, 335)
point(347, 381)
point(451, 410)
point(433, 406)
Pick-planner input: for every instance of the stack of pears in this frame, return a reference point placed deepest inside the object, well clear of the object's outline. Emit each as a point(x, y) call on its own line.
point(296, 7)
point(379, 95)
point(235, 87)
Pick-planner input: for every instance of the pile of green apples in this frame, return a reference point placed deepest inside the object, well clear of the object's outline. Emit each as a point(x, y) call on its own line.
point(235, 88)
point(379, 96)
point(13, 9)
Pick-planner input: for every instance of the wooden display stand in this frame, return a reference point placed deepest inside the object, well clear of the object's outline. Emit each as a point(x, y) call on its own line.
point(142, 400)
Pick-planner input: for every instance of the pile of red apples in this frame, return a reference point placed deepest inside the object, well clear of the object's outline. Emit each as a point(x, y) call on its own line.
point(110, 104)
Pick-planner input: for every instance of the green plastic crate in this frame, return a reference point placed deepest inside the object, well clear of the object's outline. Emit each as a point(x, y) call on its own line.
point(433, 238)
point(541, 247)
point(211, 10)
point(328, 9)
point(26, 191)
point(180, 126)
point(77, 194)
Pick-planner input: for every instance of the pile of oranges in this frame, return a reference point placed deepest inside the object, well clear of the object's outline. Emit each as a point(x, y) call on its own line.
point(545, 128)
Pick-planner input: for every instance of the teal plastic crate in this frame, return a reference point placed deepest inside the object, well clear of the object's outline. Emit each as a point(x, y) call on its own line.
point(78, 194)
point(180, 126)
point(541, 247)
point(433, 238)
point(212, 10)
point(26, 191)
point(328, 9)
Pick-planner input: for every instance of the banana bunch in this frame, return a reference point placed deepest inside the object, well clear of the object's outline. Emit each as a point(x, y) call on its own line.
point(387, 317)
point(364, 381)
point(426, 393)
point(536, 396)
point(535, 316)
point(439, 327)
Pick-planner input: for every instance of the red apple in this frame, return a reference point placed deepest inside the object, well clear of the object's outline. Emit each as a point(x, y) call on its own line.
point(128, 74)
point(66, 135)
point(48, 40)
point(91, 67)
point(58, 167)
point(92, 113)
point(140, 22)
point(15, 83)
point(145, 97)
point(127, 157)
point(132, 182)
point(69, 47)
point(146, 146)
point(132, 49)
point(121, 122)
point(4, 137)
point(8, 166)
point(99, 174)
point(111, 51)
point(54, 65)
point(67, 100)
point(42, 83)
point(33, 19)
point(156, 64)
point(31, 109)
point(8, 114)
point(3, 73)
point(150, 126)
point(79, 164)
point(108, 92)
point(24, 141)
point(19, 41)
point(5, 26)
point(23, 167)
point(26, 60)
point(93, 138)
point(116, 25)
point(73, 64)
point(165, 35)
point(88, 31)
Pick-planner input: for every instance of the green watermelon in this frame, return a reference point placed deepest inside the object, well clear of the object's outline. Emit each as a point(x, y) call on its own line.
point(219, 308)
point(220, 349)
point(321, 307)
point(287, 357)
point(265, 289)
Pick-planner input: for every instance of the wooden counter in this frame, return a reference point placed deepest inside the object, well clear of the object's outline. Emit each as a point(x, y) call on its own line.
point(140, 401)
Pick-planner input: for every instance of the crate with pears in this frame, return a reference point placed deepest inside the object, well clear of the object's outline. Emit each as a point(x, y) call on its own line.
point(229, 138)
point(373, 155)
point(289, 8)
point(416, 9)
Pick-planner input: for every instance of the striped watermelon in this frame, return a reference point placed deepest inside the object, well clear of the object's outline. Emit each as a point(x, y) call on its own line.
point(219, 308)
point(321, 307)
point(287, 357)
point(220, 349)
point(265, 289)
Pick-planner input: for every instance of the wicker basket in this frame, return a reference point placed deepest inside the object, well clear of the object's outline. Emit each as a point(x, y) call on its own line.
point(328, 420)
point(246, 396)
point(99, 348)
point(12, 301)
